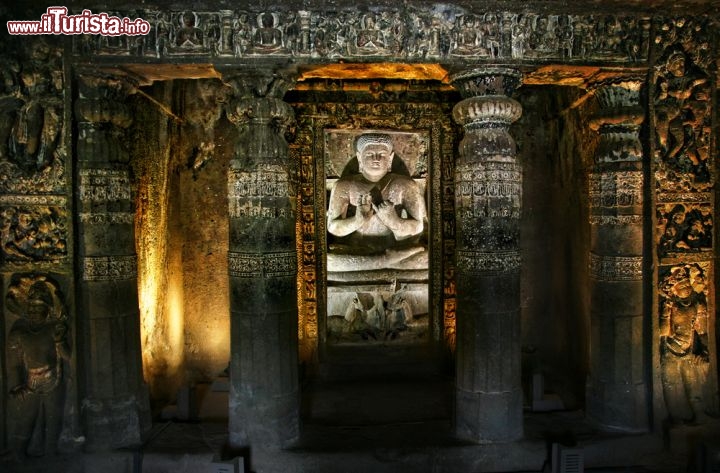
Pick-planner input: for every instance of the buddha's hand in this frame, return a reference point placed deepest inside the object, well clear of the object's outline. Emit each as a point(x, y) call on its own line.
point(365, 206)
point(20, 391)
point(386, 213)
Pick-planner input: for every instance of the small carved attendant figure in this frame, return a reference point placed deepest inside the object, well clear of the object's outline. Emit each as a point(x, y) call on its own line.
point(38, 348)
point(377, 215)
point(684, 344)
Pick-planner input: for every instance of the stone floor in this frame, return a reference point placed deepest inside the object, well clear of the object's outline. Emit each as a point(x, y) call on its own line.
point(365, 415)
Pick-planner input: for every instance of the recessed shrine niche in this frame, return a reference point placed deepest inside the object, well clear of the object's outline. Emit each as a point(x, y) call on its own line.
point(376, 223)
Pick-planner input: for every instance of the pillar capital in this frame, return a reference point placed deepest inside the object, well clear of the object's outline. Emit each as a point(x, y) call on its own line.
point(619, 101)
point(618, 121)
point(487, 81)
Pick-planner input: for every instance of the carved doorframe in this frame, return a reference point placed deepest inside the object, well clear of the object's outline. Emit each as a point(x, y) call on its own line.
point(308, 154)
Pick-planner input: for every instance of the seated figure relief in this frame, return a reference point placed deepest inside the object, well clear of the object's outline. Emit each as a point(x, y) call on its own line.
point(376, 216)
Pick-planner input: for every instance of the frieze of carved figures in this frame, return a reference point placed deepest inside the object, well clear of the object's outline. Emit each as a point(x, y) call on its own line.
point(109, 268)
point(684, 325)
point(684, 227)
point(682, 124)
point(33, 233)
point(406, 32)
point(253, 265)
point(38, 368)
point(616, 268)
point(31, 119)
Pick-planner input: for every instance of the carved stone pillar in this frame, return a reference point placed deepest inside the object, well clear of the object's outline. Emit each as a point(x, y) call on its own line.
point(115, 403)
point(488, 184)
point(617, 390)
point(264, 393)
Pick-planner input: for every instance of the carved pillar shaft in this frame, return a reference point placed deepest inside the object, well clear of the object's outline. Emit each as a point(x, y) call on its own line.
point(115, 403)
point(617, 390)
point(488, 186)
point(264, 395)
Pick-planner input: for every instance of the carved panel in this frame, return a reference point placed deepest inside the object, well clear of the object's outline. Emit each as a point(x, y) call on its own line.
point(256, 193)
point(684, 228)
point(682, 94)
point(616, 268)
point(615, 189)
point(109, 268)
point(32, 155)
point(686, 321)
point(407, 32)
point(37, 358)
point(33, 233)
point(101, 186)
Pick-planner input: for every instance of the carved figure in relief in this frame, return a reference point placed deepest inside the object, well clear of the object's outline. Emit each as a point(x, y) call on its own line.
point(681, 105)
point(32, 234)
point(36, 131)
point(377, 215)
point(242, 33)
point(468, 38)
point(684, 229)
point(189, 35)
point(163, 33)
point(38, 351)
point(684, 342)
point(268, 38)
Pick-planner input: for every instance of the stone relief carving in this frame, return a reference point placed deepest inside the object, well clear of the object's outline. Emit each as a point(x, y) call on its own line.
point(378, 314)
point(376, 213)
point(33, 233)
point(251, 265)
point(616, 268)
point(31, 102)
point(38, 369)
point(377, 232)
point(615, 189)
point(444, 32)
point(682, 124)
point(253, 194)
point(683, 331)
point(684, 227)
point(314, 120)
point(109, 268)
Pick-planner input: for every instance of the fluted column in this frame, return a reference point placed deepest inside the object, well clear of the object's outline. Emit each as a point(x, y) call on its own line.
point(488, 184)
point(115, 402)
point(617, 391)
point(264, 395)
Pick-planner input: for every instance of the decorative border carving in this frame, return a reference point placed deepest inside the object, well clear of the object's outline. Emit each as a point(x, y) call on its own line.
point(107, 218)
point(109, 268)
point(482, 262)
point(615, 189)
point(616, 268)
point(104, 185)
point(616, 219)
point(253, 265)
point(49, 200)
point(253, 193)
